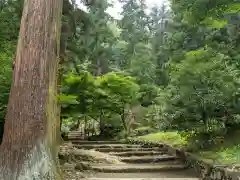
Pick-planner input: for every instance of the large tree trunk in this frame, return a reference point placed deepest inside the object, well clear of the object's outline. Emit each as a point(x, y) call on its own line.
point(28, 150)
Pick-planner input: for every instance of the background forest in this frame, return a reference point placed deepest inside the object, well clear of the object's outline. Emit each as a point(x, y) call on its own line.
point(175, 68)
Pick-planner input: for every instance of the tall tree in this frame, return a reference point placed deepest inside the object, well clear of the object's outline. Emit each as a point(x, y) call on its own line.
point(28, 150)
point(133, 26)
point(159, 17)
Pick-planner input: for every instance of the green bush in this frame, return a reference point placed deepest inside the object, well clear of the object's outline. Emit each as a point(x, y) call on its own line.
point(203, 100)
point(5, 79)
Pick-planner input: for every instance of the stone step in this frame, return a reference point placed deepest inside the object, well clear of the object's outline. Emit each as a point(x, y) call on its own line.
point(75, 132)
point(148, 159)
point(134, 168)
point(120, 178)
point(76, 141)
point(122, 149)
point(112, 146)
point(137, 153)
point(182, 174)
point(75, 137)
point(72, 138)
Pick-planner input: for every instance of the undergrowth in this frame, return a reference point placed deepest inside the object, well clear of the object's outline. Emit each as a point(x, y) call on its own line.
point(226, 152)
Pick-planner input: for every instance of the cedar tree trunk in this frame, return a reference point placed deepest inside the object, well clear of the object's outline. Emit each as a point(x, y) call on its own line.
point(28, 150)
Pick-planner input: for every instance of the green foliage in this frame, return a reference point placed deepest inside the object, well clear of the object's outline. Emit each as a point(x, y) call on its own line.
point(5, 82)
point(204, 100)
point(10, 15)
point(179, 68)
point(120, 87)
point(92, 96)
point(181, 65)
point(148, 94)
point(198, 68)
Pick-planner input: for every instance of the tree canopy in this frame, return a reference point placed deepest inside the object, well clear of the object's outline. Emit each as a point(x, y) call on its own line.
point(176, 65)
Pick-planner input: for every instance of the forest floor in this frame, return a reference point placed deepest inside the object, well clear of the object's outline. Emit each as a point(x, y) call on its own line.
point(227, 151)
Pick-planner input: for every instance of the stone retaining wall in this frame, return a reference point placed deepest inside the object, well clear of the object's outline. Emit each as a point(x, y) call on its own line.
point(205, 170)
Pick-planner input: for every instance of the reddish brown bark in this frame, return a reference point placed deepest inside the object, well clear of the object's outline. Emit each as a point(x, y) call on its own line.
point(28, 149)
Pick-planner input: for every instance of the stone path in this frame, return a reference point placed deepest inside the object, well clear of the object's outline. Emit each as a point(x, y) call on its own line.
point(140, 162)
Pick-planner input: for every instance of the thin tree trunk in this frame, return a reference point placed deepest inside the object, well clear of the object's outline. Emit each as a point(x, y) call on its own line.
point(59, 119)
point(28, 150)
point(85, 127)
point(123, 118)
point(101, 123)
point(99, 67)
point(78, 125)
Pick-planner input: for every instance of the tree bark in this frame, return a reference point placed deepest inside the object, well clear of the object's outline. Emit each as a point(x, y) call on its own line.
point(85, 127)
point(101, 123)
point(28, 149)
point(123, 118)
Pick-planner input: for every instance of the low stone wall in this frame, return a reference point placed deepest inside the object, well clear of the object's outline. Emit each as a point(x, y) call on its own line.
point(205, 170)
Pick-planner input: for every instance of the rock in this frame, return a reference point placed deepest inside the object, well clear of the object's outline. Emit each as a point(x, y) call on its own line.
point(68, 166)
point(82, 166)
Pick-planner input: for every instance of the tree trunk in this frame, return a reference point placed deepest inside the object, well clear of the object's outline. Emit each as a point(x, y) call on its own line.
point(85, 127)
point(28, 149)
point(59, 119)
point(101, 124)
point(123, 118)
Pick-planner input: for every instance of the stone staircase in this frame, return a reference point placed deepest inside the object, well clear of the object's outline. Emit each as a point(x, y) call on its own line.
point(139, 162)
point(75, 135)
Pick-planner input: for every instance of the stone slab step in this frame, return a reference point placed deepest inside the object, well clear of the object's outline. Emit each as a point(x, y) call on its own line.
point(76, 133)
point(183, 174)
point(95, 142)
point(113, 146)
point(137, 153)
point(134, 168)
point(122, 149)
point(73, 136)
point(160, 163)
point(147, 178)
point(148, 159)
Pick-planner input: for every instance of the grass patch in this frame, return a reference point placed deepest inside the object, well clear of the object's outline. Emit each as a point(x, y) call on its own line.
point(227, 152)
point(173, 138)
point(225, 155)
